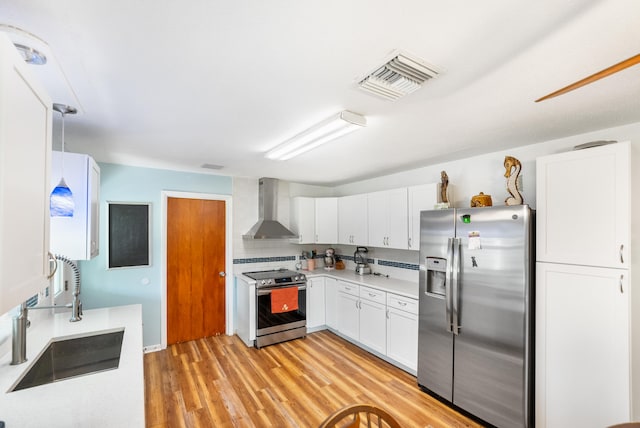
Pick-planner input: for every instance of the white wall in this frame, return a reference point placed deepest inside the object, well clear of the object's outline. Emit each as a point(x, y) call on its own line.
point(467, 177)
point(485, 173)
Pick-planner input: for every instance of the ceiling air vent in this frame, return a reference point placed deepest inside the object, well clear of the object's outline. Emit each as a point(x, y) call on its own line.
point(400, 76)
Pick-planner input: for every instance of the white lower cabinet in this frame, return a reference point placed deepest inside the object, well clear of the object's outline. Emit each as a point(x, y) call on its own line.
point(383, 322)
point(583, 371)
point(402, 330)
point(315, 303)
point(361, 315)
point(348, 311)
point(331, 302)
point(373, 325)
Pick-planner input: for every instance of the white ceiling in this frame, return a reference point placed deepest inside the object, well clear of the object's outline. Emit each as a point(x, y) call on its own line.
point(175, 84)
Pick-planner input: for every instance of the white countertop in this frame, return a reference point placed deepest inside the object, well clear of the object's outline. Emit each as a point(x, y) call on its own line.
point(391, 285)
point(113, 398)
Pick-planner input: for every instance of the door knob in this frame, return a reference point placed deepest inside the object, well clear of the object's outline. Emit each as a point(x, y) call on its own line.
point(223, 274)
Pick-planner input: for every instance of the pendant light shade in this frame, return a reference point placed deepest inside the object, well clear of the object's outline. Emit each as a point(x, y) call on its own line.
point(61, 201)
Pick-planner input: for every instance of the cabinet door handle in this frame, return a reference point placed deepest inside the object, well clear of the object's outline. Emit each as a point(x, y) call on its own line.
point(409, 242)
point(387, 313)
point(621, 279)
point(621, 257)
point(402, 303)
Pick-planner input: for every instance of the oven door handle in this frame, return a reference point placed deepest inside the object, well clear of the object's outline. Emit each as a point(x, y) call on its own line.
point(265, 291)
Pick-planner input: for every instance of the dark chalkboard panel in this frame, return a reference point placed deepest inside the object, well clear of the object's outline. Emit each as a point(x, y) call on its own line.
point(128, 235)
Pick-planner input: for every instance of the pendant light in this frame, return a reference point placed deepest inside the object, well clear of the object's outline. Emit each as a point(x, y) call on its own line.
point(61, 201)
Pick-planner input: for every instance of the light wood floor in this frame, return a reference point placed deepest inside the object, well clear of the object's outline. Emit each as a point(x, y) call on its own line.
point(219, 382)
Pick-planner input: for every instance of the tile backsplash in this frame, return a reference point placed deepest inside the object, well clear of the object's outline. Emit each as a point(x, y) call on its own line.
point(273, 258)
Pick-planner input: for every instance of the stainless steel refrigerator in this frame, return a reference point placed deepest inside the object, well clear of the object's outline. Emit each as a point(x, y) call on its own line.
point(476, 327)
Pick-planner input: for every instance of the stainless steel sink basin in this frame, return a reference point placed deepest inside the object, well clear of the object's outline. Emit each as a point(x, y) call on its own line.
point(71, 357)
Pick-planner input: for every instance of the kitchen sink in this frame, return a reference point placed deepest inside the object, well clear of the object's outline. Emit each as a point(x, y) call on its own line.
point(71, 357)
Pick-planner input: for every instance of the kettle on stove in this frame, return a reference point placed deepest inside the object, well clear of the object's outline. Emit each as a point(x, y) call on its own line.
point(360, 259)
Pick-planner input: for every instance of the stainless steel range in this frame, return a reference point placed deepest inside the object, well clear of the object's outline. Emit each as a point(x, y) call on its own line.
point(287, 319)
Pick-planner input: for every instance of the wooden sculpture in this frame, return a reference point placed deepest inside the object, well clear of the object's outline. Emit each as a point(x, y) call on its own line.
point(444, 196)
point(512, 168)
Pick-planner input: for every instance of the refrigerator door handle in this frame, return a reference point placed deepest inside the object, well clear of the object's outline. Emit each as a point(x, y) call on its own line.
point(455, 286)
point(447, 285)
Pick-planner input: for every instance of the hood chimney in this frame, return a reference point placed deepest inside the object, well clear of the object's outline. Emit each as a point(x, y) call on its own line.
point(268, 226)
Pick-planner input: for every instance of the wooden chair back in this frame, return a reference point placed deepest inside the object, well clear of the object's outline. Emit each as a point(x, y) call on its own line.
point(350, 417)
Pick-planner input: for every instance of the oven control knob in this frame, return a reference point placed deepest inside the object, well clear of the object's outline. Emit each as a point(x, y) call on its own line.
point(296, 278)
point(270, 281)
point(263, 282)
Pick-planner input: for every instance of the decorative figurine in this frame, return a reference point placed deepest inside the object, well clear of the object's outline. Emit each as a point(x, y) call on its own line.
point(512, 171)
point(444, 195)
point(481, 200)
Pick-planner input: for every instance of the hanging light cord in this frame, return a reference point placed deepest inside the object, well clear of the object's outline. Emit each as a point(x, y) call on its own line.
point(62, 157)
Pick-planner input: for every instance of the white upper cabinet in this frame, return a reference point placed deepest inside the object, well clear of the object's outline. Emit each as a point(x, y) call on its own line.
point(326, 223)
point(303, 219)
point(352, 220)
point(25, 156)
point(583, 207)
point(420, 198)
point(315, 220)
point(77, 237)
point(388, 220)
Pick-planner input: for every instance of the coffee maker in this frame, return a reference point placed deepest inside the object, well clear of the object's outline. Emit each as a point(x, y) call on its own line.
point(329, 259)
point(360, 259)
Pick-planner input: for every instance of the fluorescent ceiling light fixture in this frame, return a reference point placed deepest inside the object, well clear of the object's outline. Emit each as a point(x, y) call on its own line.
point(329, 129)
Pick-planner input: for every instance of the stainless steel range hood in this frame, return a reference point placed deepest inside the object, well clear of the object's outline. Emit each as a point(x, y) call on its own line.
point(268, 226)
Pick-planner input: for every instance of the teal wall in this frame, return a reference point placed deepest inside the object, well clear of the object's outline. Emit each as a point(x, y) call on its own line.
point(118, 183)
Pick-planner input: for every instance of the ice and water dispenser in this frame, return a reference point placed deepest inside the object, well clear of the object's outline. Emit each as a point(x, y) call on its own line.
point(436, 275)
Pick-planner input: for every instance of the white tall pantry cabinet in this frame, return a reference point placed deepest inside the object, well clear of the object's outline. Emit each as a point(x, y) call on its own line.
point(586, 352)
point(25, 156)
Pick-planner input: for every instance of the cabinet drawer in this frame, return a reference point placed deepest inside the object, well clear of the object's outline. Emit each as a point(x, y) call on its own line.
point(372, 294)
point(402, 303)
point(348, 288)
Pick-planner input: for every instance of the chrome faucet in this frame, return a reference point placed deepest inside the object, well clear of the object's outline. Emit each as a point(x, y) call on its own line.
point(21, 323)
point(76, 305)
point(21, 320)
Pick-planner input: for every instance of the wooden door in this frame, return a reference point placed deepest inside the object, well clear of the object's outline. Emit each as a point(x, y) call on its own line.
point(195, 259)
